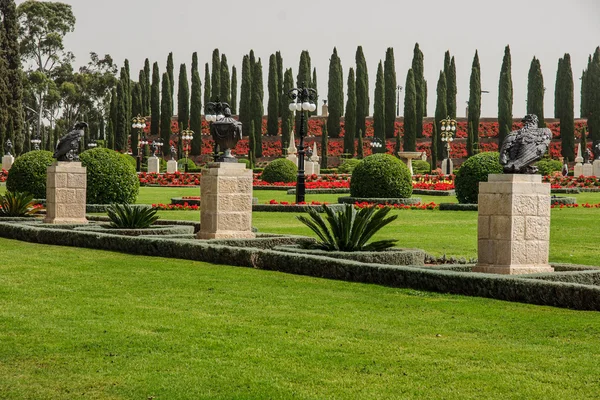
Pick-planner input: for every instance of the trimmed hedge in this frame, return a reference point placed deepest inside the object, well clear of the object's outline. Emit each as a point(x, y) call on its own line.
point(390, 201)
point(476, 169)
point(280, 170)
point(348, 165)
point(434, 192)
point(534, 291)
point(152, 231)
point(458, 207)
point(296, 208)
point(547, 166)
point(413, 257)
point(421, 167)
point(110, 177)
point(555, 201)
point(28, 173)
point(381, 176)
point(322, 191)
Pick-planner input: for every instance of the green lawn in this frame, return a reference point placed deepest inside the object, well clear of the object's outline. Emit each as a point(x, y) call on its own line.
point(92, 324)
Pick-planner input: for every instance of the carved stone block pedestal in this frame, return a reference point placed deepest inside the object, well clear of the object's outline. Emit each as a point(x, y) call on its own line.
point(226, 210)
point(65, 193)
point(7, 162)
point(171, 166)
point(588, 169)
point(513, 225)
point(596, 167)
point(445, 166)
point(153, 165)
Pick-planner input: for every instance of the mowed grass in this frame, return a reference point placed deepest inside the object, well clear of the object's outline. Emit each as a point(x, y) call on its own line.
point(91, 324)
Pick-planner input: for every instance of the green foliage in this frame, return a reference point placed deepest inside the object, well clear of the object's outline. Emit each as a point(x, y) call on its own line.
point(348, 229)
point(125, 216)
point(131, 160)
point(505, 98)
point(421, 167)
point(196, 108)
point(171, 74)
point(245, 115)
point(16, 204)
point(420, 87)
point(379, 110)
point(13, 75)
point(110, 177)
point(183, 102)
point(207, 97)
point(593, 96)
point(347, 166)
point(225, 88)
point(474, 112)
point(566, 108)
point(381, 176)
point(362, 95)
point(476, 169)
point(182, 161)
point(28, 173)
point(547, 166)
point(450, 73)
point(350, 117)
point(324, 145)
point(274, 91)
point(244, 161)
point(410, 113)
point(283, 99)
point(389, 67)
point(535, 91)
point(335, 95)
point(440, 113)
point(155, 101)
point(216, 76)
point(257, 106)
point(303, 79)
point(166, 105)
point(280, 170)
point(234, 97)
point(287, 116)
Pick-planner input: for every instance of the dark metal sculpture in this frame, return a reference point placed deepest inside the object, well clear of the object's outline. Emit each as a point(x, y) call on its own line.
point(587, 157)
point(525, 146)
point(9, 147)
point(173, 153)
point(67, 148)
point(225, 131)
point(597, 150)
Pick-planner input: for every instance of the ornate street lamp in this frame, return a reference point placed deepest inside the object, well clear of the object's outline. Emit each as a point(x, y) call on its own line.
point(448, 129)
point(376, 144)
point(225, 130)
point(139, 122)
point(303, 100)
point(186, 136)
point(92, 144)
point(35, 142)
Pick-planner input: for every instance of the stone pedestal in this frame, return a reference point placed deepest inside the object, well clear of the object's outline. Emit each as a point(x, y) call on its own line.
point(153, 165)
point(226, 210)
point(171, 166)
point(596, 167)
point(513, 225)
point(445, 166)
point(65, 193)
point(588, 169)
point(578, 170)
point(7, 162)
point(312, 168)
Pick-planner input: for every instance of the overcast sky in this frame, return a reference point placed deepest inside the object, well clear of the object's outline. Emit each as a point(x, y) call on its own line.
point(136, 29)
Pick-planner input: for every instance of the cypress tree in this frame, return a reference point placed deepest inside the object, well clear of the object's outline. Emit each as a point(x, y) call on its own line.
point(451, 91)
point(418, 70)
point(594, 97)
point(171, 72)
point(313, 84)
point(165, 115)
point(196, 108)
point(136, 108)
point(207, 91)
point(474, 107)
point(535, 91)
point(390, 93)
point(350, 117)
point(360, 154)
point(127, 89)
point(425, 114)
point(245, 114)
point(273, 105)
point(143, 94)
point(225, 81)
point(252, 145)
point(282, 97)
point(583, 138)
point(303, 79)
point(566, 109)
point(155, 102)
point(183, 100)
point(112, 121)
point(257, 107)
point(324, 144)
point(233, 90)
point(379, 110)
point(441, 112)
point(410, 113)
point(146, 101)
point(434, 146)
point(216, 76)
point(505, 98)
point(287, 117)
point(558, 88)
point(121, 127)
point(362, 92)
point(335, 94)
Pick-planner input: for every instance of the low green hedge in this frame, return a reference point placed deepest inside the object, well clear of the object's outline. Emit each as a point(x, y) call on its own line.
point(152, 231)
point(434, 192)
point(412, 257)
point(322, 191)
point(556, 201)
point(293, 208)
point(402, 200)
point(458, 207)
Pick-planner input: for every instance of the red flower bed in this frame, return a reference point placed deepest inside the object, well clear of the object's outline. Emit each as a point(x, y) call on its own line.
point(179, 207)
point(418, 206)
point(175, 179)
point(585, 205)
point(3, 175)
point(558, 181)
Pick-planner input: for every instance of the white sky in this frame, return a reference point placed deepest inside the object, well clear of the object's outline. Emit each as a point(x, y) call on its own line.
point(136, 29)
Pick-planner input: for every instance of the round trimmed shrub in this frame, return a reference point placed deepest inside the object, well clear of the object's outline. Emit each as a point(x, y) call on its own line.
point(476, 169)
point(547, 166)
point(421, 167)
point(110, 177)
point(348, 166)
point(28, 173)
point(381, 176)
point(280, 170)
point(181, 164)
point(131, 160)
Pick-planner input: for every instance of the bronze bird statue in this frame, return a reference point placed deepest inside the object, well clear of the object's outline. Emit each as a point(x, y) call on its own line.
point(525, 146)
point(67, 148)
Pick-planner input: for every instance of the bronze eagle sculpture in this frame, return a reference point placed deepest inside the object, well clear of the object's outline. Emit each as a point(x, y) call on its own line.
point(523, 147)
point(67, 148)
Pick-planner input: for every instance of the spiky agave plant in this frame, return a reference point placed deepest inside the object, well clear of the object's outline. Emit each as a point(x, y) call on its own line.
point(125, 216)
point(349, 230)
point(16, 204)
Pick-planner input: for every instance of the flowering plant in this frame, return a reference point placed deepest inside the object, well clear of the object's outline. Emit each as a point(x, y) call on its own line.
point(3, 175)
point(179, 207)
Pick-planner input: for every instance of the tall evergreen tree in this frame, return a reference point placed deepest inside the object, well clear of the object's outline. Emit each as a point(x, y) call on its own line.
point(183, 100)
point(127, 87)
point(474, 106)
point(245, 112)
point(225, 81)
point(390, 93)
point(282, 96)
point(594, 97)
point(441, 112)
point(155, 102)
point(379, 110)
point(585, 83)
point(287, 117)
point(165, 114)
point(196, 108)
point(303, 79)
point(535, 91)
point(122, 126)
point(410, 113)
point(234, 96)
point(324, 144)
point(567, 111)
point(216, 76)
point(257, 106)
point(147, 100)
point(434, 147)
point(171, 73)
point(207, 89)
point(112, 119)
point(505, 98)
point(335, 94)
point(350, 117)
point(418, 70)
point(313, 84)
point(451, 91)
point(252, 145)
point(273, 105)
point(136, 109)
point(362, 91)
point(557, 88)
point(360, 150)
point(143, 91)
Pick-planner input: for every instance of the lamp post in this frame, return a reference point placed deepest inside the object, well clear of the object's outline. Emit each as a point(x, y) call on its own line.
point(186, 136)
point(92, 144)
point(398, 89)
point(213, 112)
point(139, 122)
point(303, 100)
point(36, 141)
point(448, 128)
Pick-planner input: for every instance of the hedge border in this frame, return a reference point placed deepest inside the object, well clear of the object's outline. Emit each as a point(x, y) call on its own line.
point(323, 191)
point(391, 201)
point(294, 208)
point(509, 288)
point(414, 257)
point(434, 192)
point(458, 207)
point(562, 200)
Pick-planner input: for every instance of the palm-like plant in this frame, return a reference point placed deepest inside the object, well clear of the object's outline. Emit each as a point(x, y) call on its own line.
point(125, 216)
point(348, 229)
point(16, 204)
